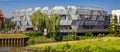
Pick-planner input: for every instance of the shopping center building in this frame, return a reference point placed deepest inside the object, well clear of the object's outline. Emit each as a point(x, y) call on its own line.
point(80, 18)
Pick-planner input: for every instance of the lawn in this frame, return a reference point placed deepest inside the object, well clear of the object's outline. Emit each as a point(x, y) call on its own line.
point(39, 39)
point(105, 44)
point(13, 36)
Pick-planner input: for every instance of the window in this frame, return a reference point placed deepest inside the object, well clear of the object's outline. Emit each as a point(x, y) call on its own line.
point(93, 17)
point(21, 17)
point(27, 23)
point(69, 17)
point(20, 23)
point(63, 17)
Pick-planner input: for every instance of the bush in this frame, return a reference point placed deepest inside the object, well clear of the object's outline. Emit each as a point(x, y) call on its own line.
point(48, 48)
point(85, 37)
point(70, 37)
point(89, 34)
point(40, 39)
point(101, 35)
point(34, 34)
point(114, 35)
point(58, 37)
point(66, 46)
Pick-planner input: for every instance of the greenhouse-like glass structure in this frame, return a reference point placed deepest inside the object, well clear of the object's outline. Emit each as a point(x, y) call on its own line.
point(79, 18)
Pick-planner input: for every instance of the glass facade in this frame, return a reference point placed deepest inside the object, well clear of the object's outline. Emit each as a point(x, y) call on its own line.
point(82, 19)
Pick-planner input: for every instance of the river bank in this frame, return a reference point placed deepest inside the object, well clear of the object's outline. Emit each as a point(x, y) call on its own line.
point(13, 36)
point(105, 44)
point(11, 49)
point(13, 40)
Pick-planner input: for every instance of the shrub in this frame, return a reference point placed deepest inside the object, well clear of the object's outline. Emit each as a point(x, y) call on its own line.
point(58, 37)
point(34, 34)
point(89, 34)
point(116, 35)
point(100, 35)
point(48, 48)
point(66, 46)
point(40, 39)
point(68, 37)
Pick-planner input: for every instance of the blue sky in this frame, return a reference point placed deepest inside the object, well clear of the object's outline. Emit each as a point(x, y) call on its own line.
point(8, 6)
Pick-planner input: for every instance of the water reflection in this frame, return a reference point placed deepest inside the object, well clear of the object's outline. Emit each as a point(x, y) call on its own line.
point(13, 49)
point(4, 49)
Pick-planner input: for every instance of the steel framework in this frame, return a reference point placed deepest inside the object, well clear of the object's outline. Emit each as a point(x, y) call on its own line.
point(82, 19)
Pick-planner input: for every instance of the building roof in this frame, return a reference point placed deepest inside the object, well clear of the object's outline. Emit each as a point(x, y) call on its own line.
point(61, 8)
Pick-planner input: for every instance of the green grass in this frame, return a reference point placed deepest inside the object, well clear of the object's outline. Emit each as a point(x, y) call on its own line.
point(13, 36)
point(39, 39)
point(105, 44)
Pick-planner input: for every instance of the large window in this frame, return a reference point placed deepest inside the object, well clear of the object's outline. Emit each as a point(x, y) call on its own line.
point(83, 11)
point(65, 27)
point(69, 17)
point(93, 17)
point(63, 17)
point(21, 17)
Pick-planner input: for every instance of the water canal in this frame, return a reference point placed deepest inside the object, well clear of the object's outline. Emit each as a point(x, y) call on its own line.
point(13, 45)
point(14, 49)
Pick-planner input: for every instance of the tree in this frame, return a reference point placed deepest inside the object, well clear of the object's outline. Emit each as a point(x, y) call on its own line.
point(74, 34)
point(38, 20)
point(55, 19)
point(114, 27)
point(43, 21)
point(8, 25)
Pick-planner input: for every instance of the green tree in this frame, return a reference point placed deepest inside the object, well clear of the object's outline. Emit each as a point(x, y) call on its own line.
point(12, 25)
point(43, 21)
point(38, 20)
point(114, 27)
point(8, 25)
point(55, 20)
point(74, 34)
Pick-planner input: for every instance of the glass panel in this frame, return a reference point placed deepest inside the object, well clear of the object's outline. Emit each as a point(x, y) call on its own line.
point(101, 18)
point(63, 17)
point(93, 17)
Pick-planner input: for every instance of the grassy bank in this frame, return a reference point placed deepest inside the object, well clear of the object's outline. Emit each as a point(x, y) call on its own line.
point(13, 36)
point(105, 44)
point(39, 39)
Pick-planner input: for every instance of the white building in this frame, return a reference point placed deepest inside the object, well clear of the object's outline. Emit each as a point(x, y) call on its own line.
point(83, 18)
point(117, 13)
